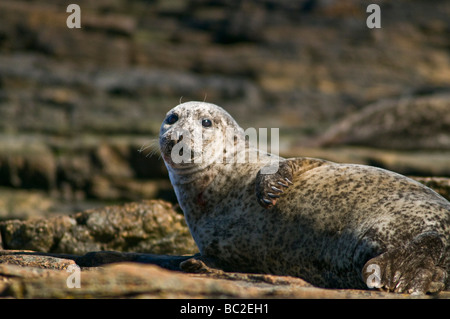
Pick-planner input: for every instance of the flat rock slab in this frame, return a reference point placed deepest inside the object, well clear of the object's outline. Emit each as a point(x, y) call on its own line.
point(26, 274)
point(31, 259)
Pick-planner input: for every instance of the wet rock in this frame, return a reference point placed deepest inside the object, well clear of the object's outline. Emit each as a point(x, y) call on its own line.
point(98, 258)
point(147, 226)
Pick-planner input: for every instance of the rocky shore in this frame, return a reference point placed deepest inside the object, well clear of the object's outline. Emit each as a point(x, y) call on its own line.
point(130, 251)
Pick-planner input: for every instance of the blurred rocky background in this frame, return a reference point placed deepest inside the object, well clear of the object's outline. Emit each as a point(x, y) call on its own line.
point(80, 109)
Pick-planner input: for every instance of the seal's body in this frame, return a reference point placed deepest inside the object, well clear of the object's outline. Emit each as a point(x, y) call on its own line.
point(334, 225)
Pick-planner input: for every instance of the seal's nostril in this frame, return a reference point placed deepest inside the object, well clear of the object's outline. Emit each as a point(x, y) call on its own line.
point(177, 137)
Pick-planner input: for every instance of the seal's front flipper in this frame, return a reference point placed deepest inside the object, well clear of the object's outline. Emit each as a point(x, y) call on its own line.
point(414, 268)
point(269, 187)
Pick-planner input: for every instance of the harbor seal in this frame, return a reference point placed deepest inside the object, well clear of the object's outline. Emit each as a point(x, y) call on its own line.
point(333, 225)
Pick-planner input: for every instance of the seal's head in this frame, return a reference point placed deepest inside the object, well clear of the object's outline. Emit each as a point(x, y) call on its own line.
point(196, 134)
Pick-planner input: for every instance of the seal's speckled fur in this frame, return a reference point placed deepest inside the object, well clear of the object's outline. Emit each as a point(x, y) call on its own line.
point(327, 222)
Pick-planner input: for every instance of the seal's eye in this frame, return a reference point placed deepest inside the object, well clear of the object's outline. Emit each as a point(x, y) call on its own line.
point(172, 118)
point(206, 123)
